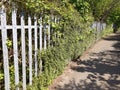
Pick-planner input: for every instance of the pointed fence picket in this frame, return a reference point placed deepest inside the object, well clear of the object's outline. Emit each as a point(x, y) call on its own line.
point(5, 49)
point(30, 49)
point(35, 36)
point(40, 34)
point(23, 51)
point(15, 48)
point(40, 43)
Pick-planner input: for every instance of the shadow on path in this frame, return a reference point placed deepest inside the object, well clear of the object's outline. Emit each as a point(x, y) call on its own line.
point(104, 71)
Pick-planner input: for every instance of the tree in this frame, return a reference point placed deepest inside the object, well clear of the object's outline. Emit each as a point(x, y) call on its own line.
point(115, 15)
point(101, 9)
point(81, 5)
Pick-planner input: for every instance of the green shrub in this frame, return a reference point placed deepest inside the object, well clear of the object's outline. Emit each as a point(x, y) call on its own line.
point(76, 37)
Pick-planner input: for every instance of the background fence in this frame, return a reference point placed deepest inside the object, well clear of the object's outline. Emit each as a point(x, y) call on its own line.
point(21, 37)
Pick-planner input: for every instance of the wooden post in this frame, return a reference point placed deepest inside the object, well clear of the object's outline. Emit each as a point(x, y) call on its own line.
point(23, 51)
point(5, 49)
point(15, 47)
point(30, 49)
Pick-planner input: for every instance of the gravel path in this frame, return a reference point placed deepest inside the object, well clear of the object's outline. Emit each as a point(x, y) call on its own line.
point(97, 69)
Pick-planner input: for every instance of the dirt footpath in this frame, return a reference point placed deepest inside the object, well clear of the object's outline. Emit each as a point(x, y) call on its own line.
point(97, 69)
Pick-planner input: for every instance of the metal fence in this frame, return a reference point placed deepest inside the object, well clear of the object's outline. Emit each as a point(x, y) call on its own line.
point(38, 38)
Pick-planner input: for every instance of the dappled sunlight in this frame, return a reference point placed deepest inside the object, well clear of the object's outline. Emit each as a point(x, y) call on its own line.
point(102, 70)
point(104, 74)
point(93, 82)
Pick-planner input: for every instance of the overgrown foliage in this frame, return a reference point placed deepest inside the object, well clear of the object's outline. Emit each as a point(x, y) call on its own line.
point(76, 37)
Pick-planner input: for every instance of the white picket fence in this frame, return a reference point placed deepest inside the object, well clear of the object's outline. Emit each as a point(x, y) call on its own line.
point(40, 38)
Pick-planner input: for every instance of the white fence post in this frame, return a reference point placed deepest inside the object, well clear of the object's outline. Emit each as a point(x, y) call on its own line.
point(49, 34)
point(40, 38)
point(55, 23)
point(45, 37)
point(36, 62)
point(40, 33)
point(30, 49)
point(15, 48)
point(52, 31)
point(5, 49)
point(23, 51)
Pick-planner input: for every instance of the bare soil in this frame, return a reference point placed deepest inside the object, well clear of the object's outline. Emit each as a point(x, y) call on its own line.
point(97, 69)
